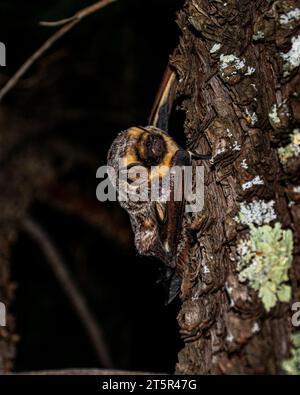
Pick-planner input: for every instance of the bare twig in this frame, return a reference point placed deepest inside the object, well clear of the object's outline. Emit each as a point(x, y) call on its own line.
point(68, 24)
point(76, 298)
point(83, 372)
point(80, 14)
point(37, 54)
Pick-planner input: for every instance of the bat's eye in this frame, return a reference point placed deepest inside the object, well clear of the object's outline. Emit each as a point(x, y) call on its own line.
point(152, 149)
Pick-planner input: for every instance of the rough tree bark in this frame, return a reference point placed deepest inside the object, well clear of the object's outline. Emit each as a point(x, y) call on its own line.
point(241, 99)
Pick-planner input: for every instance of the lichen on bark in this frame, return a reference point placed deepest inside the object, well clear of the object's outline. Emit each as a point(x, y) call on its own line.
point(231, 74)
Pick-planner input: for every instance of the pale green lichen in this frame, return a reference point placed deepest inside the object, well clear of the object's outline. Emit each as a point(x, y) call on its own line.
point(264, 260)
point(255, 181)
point(255, 328)
point(259, 35)
point(229, 337)
point(257, 212)
point(292, 57)
point(273, 115)
point(292, 149)
point(244, 164)
point(231, 60)
point(236, 146)
point(251, 117)
point(291, 16)
point(250, 70)
point(280, 115)
point(215, 48)
point(292, 365)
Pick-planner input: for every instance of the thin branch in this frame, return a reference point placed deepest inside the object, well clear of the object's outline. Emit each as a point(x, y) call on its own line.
point(82, 372)
point(33, 58)
point(80, 14)
point(58, 23)
point(76, 298)
point(68, 23)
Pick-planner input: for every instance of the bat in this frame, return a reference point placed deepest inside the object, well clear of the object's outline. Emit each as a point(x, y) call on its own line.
point(157, 224)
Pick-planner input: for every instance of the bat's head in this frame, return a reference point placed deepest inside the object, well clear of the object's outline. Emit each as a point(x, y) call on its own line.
point(145, 146)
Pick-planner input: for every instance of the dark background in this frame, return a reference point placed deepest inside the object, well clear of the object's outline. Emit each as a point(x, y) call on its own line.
point(99, 79)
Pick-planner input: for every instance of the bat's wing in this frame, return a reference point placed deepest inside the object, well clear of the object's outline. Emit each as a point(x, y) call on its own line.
point(169, 214)
point(164, 101)
point(171, 282)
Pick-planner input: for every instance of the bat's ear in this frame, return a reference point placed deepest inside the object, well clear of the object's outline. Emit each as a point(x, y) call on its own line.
point(196, 156)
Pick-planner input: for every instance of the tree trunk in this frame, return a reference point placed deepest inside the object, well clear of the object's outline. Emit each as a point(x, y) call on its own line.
point(239, 87)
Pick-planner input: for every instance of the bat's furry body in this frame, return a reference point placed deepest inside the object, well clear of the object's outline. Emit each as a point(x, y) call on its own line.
point(156, 225)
